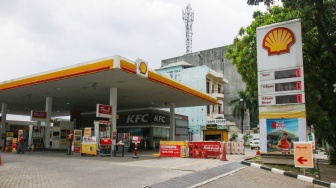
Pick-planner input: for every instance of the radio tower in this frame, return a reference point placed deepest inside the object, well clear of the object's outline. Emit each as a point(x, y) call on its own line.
point(188, 18)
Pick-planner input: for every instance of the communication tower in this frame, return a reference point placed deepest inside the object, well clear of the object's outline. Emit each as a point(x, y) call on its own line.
point(188, 18)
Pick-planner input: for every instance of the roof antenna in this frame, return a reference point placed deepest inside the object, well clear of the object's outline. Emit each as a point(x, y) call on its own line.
point(188, 18)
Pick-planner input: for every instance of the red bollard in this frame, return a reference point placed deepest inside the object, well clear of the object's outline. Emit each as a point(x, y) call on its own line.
point(135, 151)
point(223, 152)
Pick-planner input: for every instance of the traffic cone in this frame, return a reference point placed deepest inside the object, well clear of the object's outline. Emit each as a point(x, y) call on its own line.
point(258, 152)
point(0, 161)
point(6, 149)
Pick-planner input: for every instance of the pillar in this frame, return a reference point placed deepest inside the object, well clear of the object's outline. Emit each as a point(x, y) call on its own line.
point(3, 123)
point(172, 122)
point(47, 122)
point(113, 103)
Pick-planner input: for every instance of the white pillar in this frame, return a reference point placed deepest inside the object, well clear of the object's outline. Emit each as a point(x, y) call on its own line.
point(30, 136)
point(47, 122)
point(172, 121)
point(3, 122)
point(113, 103)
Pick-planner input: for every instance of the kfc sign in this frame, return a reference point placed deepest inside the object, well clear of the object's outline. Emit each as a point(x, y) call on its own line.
point(104, 111)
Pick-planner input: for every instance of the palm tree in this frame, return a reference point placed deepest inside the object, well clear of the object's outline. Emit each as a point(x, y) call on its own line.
point(243, 103)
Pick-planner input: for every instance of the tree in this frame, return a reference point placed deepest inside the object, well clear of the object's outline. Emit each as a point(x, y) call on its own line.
point(245, 103)
point(318, 21)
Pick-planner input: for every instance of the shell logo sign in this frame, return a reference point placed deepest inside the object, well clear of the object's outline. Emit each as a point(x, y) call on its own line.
point(143, 68)
point(278, 41)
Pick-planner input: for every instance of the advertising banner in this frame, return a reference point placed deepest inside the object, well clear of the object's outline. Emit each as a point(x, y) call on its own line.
point(173, 148)
point(77, 140)
point(87, 131)
point(89, 145)
point(205, 149)
point(278, 135)
point(170, 151)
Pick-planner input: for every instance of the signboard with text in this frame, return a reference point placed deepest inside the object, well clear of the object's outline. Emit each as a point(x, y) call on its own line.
point(104, 111)
point(281, 92)
point(303, 155)
point(170, 150)
point(38, 116)
point(207, 149)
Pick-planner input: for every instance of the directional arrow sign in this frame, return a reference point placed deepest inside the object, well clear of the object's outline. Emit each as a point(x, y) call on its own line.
point(303, 154)
point(301, 160)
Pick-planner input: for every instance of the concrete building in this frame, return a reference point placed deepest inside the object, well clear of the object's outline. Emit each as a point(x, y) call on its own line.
point(215, 60)
point(203, 79)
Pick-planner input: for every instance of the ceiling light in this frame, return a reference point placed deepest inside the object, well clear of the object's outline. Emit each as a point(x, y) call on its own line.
point(58, 89)
point(67, 103)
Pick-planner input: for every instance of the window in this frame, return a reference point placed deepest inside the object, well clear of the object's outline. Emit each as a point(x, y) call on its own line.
point(208, 87)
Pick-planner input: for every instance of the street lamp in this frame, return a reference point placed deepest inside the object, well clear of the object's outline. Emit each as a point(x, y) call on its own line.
point(242, 115)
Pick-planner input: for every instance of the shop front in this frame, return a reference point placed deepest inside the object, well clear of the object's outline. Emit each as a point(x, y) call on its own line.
point(216, 133)
point(152, 126)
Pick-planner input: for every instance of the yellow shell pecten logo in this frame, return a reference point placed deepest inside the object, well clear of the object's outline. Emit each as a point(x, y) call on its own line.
point(143, 68)
point(278, 41)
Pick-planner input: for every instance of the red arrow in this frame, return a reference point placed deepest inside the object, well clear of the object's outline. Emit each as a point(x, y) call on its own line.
point(301, 160)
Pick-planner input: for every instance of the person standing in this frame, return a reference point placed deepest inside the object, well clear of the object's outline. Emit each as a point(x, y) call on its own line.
point(70, 139)
point(20, 148)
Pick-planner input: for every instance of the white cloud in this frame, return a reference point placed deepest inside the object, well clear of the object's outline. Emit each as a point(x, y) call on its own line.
point(41, 35)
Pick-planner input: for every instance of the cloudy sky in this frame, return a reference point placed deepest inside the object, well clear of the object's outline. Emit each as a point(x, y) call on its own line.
point(41, 35)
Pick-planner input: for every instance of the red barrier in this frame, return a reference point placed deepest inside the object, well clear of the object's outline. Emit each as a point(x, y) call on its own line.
point(206, 149)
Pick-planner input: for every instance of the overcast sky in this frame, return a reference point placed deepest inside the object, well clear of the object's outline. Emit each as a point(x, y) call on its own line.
point(42, 35)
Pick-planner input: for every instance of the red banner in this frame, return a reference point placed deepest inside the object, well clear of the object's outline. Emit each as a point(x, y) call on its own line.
point(170, 151)
point(204, 149)
point(105, 141)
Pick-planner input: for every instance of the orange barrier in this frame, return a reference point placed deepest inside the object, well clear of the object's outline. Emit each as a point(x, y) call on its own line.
point(258, 152)
point(223, 158)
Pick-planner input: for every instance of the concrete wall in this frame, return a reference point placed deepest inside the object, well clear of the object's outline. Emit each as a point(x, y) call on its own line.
point(215, 59)
point(194, 77)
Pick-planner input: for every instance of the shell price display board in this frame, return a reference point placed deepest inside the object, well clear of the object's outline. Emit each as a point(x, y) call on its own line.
point(89, 145)
point(173, 148)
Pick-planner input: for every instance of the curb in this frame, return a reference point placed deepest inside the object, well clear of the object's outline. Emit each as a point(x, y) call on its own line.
point(292, 175)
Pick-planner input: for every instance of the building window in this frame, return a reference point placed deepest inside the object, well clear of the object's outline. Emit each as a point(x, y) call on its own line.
point(208, 87)
point(219, 88)
point(208, 109)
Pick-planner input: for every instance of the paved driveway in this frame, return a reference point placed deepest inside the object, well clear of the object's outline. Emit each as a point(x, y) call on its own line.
point(55, 169)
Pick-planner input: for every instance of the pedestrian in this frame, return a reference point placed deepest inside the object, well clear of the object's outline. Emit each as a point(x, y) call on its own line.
point(70, 139)
point(20, 148)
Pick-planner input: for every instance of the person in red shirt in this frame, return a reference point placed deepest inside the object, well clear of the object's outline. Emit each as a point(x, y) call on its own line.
point(20, 143)
point(70, 139)
point(284, 145)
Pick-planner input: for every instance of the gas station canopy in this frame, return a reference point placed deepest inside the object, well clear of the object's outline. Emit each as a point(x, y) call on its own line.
point(80, 87)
